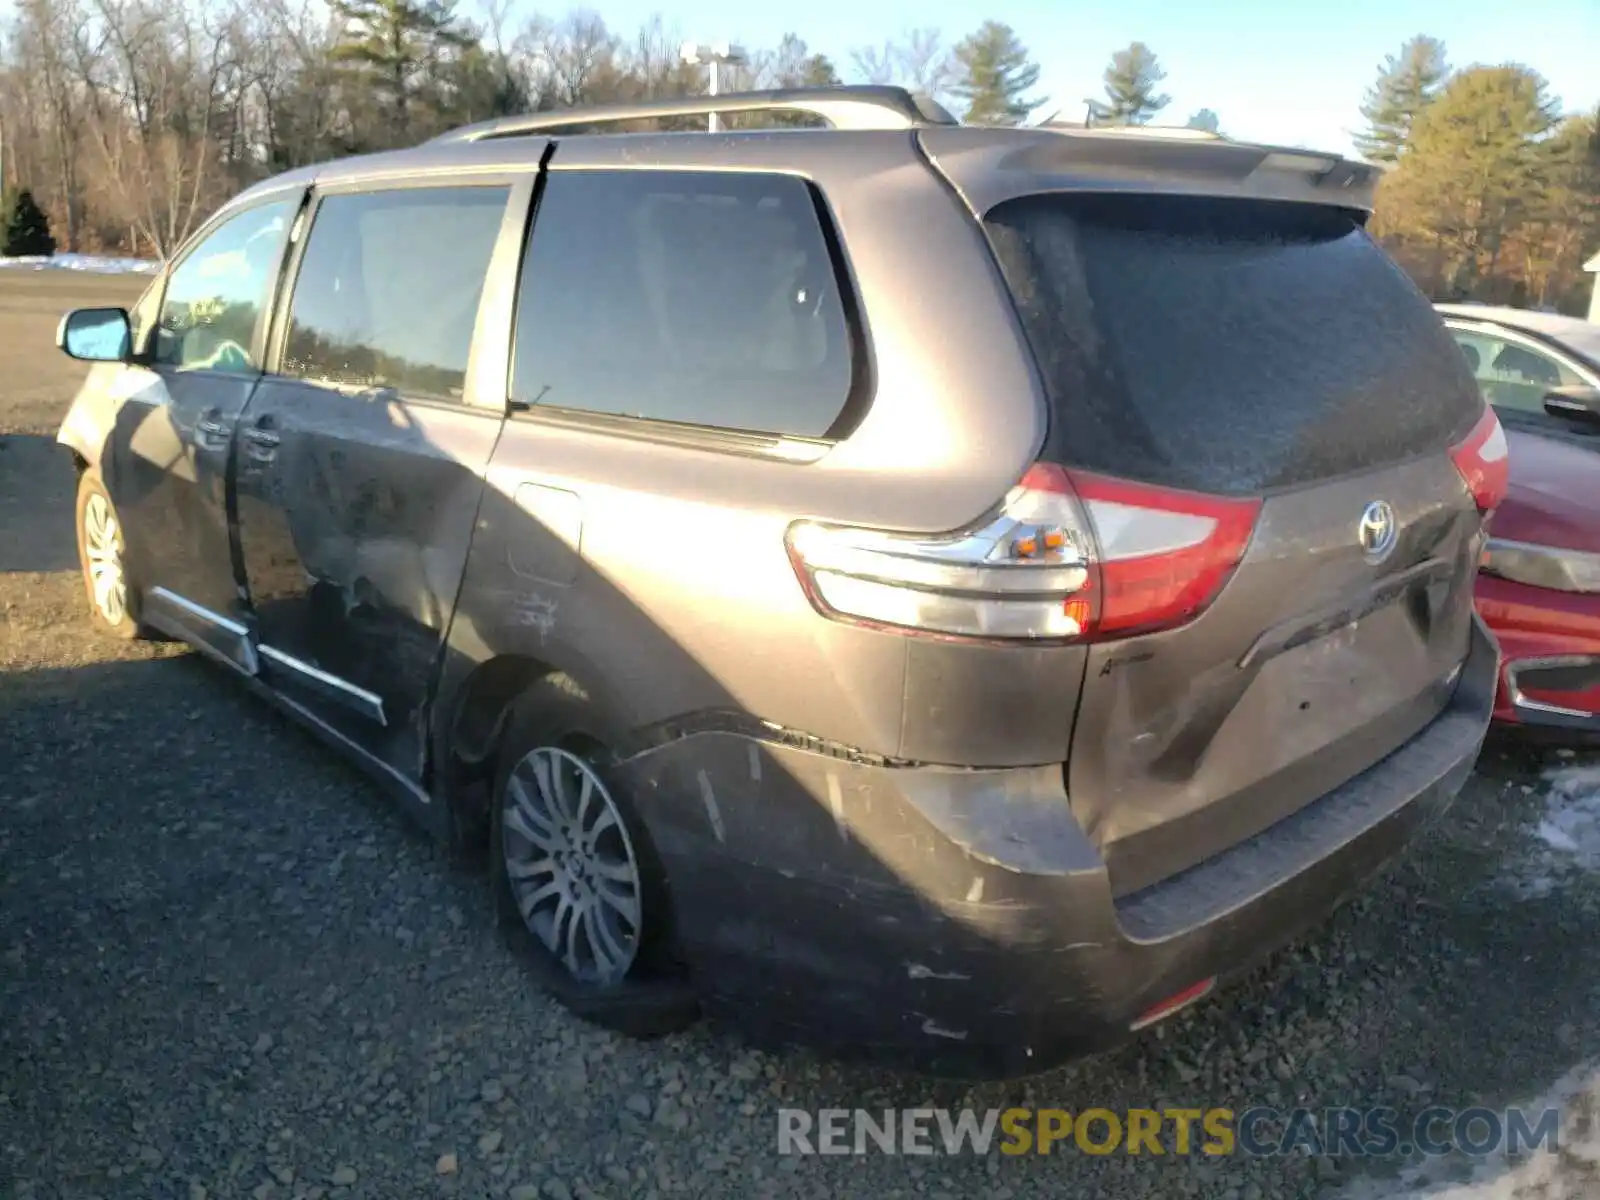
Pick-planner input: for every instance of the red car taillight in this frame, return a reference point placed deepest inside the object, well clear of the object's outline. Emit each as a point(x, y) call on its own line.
point(1483, 459)
point(1068, 555)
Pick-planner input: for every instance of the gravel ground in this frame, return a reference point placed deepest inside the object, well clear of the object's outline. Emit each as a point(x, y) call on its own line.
point(229, 968)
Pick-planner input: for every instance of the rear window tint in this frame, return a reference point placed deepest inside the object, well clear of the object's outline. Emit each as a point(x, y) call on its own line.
point(693, 297)
point(1226, 346)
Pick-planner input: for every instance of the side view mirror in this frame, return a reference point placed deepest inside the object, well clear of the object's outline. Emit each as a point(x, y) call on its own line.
point(96, 335)
point(1577, 402)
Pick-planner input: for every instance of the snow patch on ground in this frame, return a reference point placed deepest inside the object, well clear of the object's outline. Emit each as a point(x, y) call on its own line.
point(83, 262)
point(1566, 839)
point(1568, 1173)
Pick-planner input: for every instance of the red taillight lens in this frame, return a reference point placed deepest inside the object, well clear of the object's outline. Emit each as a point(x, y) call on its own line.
point(1164, 554)
point(1068, 555)
point(1484, 460)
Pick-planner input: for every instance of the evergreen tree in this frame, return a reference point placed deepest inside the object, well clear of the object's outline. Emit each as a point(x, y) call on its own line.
point(1564, 227)
point(1131, 81)
point(1407, 82)
point(1205, 119)
point(819, 72)
point(483, 83)
point(26, 230)
point(1475, 172)
point(791, 65)
point(392, 42)
point(994, 75)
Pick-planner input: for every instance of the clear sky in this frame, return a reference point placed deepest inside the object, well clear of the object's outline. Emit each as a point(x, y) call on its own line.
point(1284, 71)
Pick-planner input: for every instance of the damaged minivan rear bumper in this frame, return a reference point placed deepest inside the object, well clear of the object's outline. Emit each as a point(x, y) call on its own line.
point(959, 922)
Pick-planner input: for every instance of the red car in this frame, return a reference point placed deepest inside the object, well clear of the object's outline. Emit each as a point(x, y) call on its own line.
point(1539, 589)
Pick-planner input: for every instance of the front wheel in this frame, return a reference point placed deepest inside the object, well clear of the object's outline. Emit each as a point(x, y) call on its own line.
point(102, 557)
point(577, 884)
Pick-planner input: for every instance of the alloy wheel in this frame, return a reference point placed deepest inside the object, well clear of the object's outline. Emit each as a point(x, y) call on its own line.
point(571, 865)
point(102, 549)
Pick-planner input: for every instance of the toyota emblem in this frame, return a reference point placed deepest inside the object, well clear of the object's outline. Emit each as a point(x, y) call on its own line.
point(1377, 531)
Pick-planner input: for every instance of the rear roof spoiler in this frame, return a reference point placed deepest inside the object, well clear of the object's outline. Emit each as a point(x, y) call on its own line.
point(991, 166)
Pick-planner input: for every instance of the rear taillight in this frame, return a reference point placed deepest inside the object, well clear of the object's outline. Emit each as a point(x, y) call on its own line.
point(1163, 554)
point(1484, 461)
point(1068, 555)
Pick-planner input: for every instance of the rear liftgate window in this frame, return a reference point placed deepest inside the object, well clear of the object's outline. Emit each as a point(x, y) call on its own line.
point(1226, 346)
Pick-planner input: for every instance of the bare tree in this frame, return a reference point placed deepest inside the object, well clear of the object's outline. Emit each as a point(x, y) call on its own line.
point(40, 91)
point(918, 59)
point(573, 60)
point(297, 85)
point(130, 120)
point(655, 61)
point(155, 81)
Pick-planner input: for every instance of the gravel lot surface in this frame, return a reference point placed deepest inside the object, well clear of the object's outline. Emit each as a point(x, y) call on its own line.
point(229, 968)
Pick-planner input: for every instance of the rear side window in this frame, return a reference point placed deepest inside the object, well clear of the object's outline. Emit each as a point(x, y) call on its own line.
point(1512, 375)
point(1226, 346)
point(387, 293)
point(693, 297)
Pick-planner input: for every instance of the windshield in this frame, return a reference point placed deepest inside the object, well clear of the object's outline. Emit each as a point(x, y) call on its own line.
point(1584, 340)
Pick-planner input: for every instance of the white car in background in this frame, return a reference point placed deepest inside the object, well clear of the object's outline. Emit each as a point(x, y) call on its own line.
point(1540, 371)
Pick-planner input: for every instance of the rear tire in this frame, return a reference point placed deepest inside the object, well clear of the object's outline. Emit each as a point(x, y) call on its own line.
point(113, 597)
point(579, 891)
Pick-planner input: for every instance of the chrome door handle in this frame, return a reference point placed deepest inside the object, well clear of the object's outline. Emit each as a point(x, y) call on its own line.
point(210, 434)
point(263, 447)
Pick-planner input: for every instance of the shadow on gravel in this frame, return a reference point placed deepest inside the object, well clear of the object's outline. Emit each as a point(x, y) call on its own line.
point(182, 871)
point(214, 931)
point(36, 501)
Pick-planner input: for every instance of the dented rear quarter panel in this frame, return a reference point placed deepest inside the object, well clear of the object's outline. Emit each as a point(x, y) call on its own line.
point(959, 921)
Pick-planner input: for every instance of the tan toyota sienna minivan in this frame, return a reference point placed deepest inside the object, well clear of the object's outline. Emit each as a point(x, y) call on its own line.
point(949, 594)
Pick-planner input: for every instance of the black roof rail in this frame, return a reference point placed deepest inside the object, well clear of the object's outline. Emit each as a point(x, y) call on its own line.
point(857, 106)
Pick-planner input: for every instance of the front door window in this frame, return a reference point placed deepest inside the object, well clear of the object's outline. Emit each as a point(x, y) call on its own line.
point(216, 295)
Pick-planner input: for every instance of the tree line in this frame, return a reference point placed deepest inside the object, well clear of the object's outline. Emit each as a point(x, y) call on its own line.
point(1492, 194)
point(130, 120)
